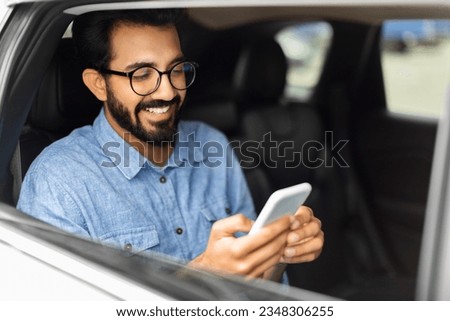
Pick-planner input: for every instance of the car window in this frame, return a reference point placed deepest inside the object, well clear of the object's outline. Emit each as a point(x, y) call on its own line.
point(305, 46)
point(416, 65)
point(4, 12)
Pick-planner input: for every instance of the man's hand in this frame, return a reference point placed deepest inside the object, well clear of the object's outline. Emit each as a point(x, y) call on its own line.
point(305, 241)
point(249, 255)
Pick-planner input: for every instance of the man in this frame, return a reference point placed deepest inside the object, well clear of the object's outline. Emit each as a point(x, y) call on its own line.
point(137, 178)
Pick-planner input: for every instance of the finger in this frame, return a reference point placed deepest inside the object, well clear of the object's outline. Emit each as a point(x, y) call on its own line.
point(262, 268)
point(304, 214)
point(267, 234)
point(265, 262)
point(275, 246)
point(313, 246)
point(300, 259)
point(305, 232)
point(231, 225)
point(304, 252)
point(262, 258)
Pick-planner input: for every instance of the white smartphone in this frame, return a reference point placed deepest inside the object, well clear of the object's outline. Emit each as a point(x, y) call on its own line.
point(281, 202)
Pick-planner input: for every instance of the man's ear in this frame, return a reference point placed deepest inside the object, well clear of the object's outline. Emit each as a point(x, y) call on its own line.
point(95, 82)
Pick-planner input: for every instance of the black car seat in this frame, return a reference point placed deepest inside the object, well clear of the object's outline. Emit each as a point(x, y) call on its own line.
point(62, 104)
point(284, 130)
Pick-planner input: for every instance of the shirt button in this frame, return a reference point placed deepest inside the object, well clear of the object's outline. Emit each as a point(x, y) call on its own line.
point(162, 179)
point(128, 247)
point(228, 210)
point(179, 231)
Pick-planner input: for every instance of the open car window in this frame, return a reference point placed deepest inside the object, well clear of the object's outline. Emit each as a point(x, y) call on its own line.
point(341, 95)
point(416, 65)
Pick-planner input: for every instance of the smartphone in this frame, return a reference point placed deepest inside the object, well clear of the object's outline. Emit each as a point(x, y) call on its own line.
point(281, 202)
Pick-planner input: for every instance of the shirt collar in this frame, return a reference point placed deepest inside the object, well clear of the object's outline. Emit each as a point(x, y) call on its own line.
point(188, 149)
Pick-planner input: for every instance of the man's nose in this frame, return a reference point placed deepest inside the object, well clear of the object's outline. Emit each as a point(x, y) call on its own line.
point(165, 90)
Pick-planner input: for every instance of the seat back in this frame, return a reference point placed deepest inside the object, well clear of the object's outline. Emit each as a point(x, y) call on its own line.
point(284, 132)
point(62, 104)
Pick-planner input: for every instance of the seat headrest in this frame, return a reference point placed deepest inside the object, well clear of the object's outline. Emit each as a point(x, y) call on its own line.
point(63, 102)
point(210, 99)
point(260, 74)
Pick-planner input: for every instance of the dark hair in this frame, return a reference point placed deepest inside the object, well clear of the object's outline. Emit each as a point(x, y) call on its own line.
point(92, 31)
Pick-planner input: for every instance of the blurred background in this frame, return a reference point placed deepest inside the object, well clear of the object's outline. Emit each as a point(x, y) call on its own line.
point(415, 62)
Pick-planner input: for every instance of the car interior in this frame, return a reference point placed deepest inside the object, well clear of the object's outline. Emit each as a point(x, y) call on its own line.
point(369, 168)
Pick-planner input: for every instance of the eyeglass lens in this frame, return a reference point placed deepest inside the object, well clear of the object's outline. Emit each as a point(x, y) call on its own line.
point(146, 80)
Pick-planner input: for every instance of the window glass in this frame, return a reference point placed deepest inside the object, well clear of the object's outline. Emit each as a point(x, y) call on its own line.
point(305, 46)
point(4, 12)
point(68, 32)
point(416, 65)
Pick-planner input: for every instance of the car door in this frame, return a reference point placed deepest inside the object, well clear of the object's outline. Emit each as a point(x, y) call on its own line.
point(389, 152)
point(392, 149)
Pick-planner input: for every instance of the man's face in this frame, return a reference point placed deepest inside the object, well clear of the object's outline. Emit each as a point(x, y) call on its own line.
point(151, 118)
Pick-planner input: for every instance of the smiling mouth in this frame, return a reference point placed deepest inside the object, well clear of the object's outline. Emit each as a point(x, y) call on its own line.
point(158, 110)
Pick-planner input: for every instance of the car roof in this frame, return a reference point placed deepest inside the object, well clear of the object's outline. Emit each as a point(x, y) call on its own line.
point(240, 11)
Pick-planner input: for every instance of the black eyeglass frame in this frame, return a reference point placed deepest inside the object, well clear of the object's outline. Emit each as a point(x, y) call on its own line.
point(129, 75)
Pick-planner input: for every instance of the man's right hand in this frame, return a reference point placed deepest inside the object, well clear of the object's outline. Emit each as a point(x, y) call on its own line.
point(249, 255)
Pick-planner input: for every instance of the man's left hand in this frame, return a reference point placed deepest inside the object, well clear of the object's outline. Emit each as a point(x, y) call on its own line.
point(304, 242)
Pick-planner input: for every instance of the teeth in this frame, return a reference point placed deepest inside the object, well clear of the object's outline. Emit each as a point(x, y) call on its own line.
point(158, 110)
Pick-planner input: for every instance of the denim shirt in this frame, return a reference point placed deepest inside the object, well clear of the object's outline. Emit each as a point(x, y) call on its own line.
point(94, 184)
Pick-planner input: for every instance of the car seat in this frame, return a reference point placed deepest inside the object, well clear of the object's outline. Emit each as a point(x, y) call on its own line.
point(62, 104)
point(283, 129)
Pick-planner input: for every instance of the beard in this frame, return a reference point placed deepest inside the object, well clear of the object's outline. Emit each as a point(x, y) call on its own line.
point(164, 132)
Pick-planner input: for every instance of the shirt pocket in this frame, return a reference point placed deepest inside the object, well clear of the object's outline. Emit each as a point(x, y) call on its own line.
point(216, 210)
point(135, 240)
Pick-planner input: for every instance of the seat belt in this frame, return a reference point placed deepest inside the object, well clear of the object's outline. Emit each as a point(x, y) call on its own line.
point(356, 199)
point(15, 167)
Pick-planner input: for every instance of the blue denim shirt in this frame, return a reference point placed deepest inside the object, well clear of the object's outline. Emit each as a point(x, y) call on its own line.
point(92, 183)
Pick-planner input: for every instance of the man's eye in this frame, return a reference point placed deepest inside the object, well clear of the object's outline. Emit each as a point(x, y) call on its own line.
point(143, 74)
point(178, 69)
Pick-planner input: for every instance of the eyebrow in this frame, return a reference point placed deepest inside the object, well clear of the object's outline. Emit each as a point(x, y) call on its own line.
point(152, 64)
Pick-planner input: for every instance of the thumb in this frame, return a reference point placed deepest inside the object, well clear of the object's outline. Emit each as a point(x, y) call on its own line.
point(231, 225)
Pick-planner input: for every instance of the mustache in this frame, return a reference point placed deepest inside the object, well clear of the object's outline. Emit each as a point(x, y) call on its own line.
point(159, 103)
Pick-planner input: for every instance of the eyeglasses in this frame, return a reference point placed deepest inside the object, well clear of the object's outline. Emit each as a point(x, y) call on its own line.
point(145, 80)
